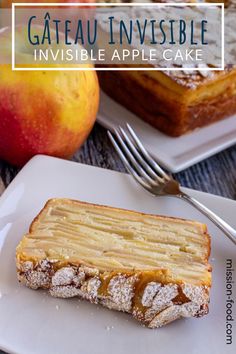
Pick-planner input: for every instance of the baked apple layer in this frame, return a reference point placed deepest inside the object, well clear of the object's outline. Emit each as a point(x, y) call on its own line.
point(111, 239)
point(153, 267)
point(173, 104)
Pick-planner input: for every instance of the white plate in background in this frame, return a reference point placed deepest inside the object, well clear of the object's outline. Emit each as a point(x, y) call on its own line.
point(175, 154)
point(32, 322)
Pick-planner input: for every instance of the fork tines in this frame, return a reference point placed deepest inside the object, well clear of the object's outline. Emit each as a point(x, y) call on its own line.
point(136, 158)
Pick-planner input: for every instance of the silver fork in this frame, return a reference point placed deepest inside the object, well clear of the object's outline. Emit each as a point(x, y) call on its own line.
point(151, 176)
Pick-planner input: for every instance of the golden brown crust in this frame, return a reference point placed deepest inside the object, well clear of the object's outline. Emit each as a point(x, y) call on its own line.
point(128, 211)
point(173, 113)
point(151, 296)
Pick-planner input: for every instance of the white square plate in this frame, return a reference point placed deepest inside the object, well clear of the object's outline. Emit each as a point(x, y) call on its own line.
point(175, 154)
point(33, 322)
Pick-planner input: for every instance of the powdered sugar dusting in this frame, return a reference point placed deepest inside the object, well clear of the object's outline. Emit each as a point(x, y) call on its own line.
point(162, 300)
point(63, 276)
point(27, 266)
point(157, 306)
point(121, 291)
point(149, 293)
point(89, 289)
point(197, 294)
point(166, 316)
point(37, 279)
point(66, 291)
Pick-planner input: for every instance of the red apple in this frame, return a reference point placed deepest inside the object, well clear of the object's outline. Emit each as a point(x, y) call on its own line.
point(44, 112)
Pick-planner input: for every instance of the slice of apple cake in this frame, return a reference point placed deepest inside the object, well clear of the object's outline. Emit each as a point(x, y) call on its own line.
point(154, 267)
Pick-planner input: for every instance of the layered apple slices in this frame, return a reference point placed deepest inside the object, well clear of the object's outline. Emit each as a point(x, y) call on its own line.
point(154, 267)
point(174, 102)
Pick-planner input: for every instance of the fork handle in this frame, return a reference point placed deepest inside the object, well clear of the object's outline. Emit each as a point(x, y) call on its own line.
point(220, 223)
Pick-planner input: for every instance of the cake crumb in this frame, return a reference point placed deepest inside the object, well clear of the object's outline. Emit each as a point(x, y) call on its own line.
point(57, 307)
point(108, 328)
point(2, 294)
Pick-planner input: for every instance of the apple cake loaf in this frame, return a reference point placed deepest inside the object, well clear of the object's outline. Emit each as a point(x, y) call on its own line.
point(177, 102)
point(153, 267)
point(174, 102)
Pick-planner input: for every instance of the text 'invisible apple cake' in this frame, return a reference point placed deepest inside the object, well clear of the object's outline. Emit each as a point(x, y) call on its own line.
point(153, 267)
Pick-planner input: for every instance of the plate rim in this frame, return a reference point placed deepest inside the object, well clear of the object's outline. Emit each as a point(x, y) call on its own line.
point(37, 158)
point(169, 162)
